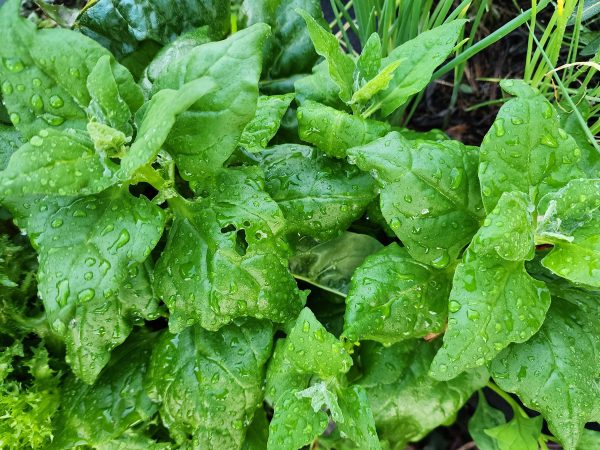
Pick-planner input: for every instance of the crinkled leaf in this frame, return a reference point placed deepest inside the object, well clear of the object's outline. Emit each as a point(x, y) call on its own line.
point(45, 72)
point(282, 376)
point(122, 26)
point(556, 371)
point(571, 221)
point(88, 247)
point(206, 135)
point(406, 403)
point(58, 162)
point(520, 433)
point(392, 297)
point(93, 415)
point(237, 266)
point(329, 265)
point(319, 196)
point(210, 383)
point(341, 66)
point(494, 301)
point(484, 418)
point(158, 119)
point(526, 150)
point(335, 131)
point(261, 129)
point(10, 141)
point(418, 59)
point(430, 194)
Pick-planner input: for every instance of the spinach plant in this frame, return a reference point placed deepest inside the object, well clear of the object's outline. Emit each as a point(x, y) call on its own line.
point(236, 249)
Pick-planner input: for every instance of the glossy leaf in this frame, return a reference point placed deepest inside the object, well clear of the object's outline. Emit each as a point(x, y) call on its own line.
point(392, 298)
point(44, 80)
point(329, 265)
point(204, 137)
point(428, 189)
point(493, 301)
point(261, 129)
point(10, 141)
point(369, 61)
point(418, 59)
point(551, 375)
point(334, 131)
point(358, 424)
point(571, 221)
point(319, 196)
point(526, 150)
point(484, 418)
point(209, 383)
point(318, 87)
point(406, 403)
point(238, 265)
point(519, 434)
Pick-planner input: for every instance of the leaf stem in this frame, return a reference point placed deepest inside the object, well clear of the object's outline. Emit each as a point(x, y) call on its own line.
point(508, 399)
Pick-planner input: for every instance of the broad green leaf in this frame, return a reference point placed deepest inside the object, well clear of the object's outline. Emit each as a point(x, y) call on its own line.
point(590, 439)
point(526, 150)
point(329, 265)
point(210, 383)
point(261, 129)
point(406, 403)
point(237, 266)
point(319, 196)
point(418, 59)
point(170, 54)
point(96, 414)
point(392, 297)
point(341, 66)
point(430, 194)
point(318, 87)
point(556, 371)
point(369, 61)
point(57, 162)
point(282, 376)
point(88, 248)
point(571, 221)
point(295, 423)
point(44, 78)
point(484, 418)
point(590, 157)
point(358, 424)
point(159, 116)
point(258, 432)
point(289, 50)
point(206, 135)
point(494, 301)
point(106, 104)
point(379, 82)
point(519, 434)
point(133, 439)
point(334, 131)
point(431, 135)
point(10, 141)
point(122, 27)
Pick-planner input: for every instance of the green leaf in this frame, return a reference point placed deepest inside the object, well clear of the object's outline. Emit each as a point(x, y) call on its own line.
point(520, 433)
point(358, 424)
point(379, 82)
point(10, 141)
point(369, 61)
point(88, 247)
point(258, 432)
point(571, 222)
point(329, 265)
point(44, 79)
point(341, 66)
point(556, 371)
point(334, 131)
point(159, 116)
point(282, 376)
point(526, 150)
point(318, 87)
point(418, 59)
point(295, 423)
point(494, 301)
point(589, 439)
point(484, 418)
point(428, 188)
point(93, 415)
point(406, 403)
point(57, 162)
point(261, 129)
point(393, 297)
point(210, 383)
point(238, 264)
point(122, 27)
point(319, 196)
point(590, 157)
point(206, 135)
